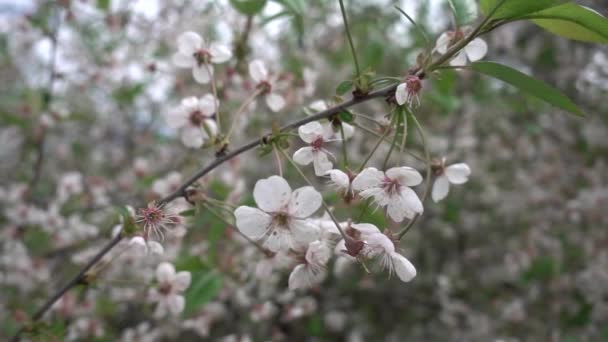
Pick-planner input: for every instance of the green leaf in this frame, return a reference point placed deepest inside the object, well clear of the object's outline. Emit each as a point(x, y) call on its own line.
point(527, 84)
point(573, 21)
point(465, 11)
point(515, 8)
point(104, 4)
point(248, 7)
point(346, 116)
point(344, 87)
point(205, 286)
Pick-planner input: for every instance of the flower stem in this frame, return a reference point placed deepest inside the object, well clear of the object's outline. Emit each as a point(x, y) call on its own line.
point(380, 140)
point(241, 109)
point(215, 99)
point(396, 135)
point(344, 150)
point(350, 39)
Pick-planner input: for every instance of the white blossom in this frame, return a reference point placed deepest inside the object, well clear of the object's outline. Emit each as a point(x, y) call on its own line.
point(194, 118)
point(312, 270)
point(315, 135)
point(141, 247)
point(259, 74)
point(473, 51)
point(455, 174)
point(168, 292)
point(281, 219)
point(194, 52)
point(391, 190)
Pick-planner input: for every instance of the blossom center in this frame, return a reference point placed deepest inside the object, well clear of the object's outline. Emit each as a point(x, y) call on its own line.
point(165, 288)
point(391, 186)
point(265, 87)
point(281, 219)
point(202, 56)
point(317, 143)
point(196, 118)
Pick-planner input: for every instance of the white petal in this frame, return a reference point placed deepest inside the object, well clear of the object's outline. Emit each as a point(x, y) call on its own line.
point(339, 178)
point(366, 228)
point(442, 43)
point(328, 131)
point(155, 248)
point(211, 126)
point(272, 194)
point(298, 279)
point(219, 53)
point(189, 104)
point(252, 222)
point(310, 131)
point(401, 93)
point(405, 175)
point(441, 187)
point(183, 61)
point(349, 131)
point(177, 117)
point(189, 42)
point(317, 254)
point(380, 241)
point(403, 267)
point(202, 73)
point(275, 101)
point(304, 202)
point(207, 104)
point(192, 137)
point(303, 232)
point(459, 60)
point(397, 209)
point(182, 281)
point(138, 244)
point(257, 71)
point(476, 49)
point(368, 178)
point(318, 106)
point(176, 304)
point(411, 200)
point(458, 173)
point(321, 163)
point(279, 239)
point(303, 156)
point(165, 272)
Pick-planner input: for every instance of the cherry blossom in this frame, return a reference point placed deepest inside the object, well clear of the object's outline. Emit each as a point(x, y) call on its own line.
point(142, 247)
point(194, 118)
point(473, 51)
point(391, 190)
point(312, 270)
point(407, 92)
point(315, 135)
point(168, 293)
point(349, 130)
point(194, 52)
point(259, 74)
point(455, 174)
point(281, 219)
point(156, 220)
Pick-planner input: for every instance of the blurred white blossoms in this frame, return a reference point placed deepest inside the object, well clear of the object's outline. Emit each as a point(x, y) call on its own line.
point(455, 174)
point(193, 52)
point(194, 118)
point(391, 190)
point(407, 92)
point(315, 135)
point(372, 244)
point(312, 269)
point(168, 293)
point(474, 51)
point(282, 218)
point(259, 74)
point(141, 247)
point(349, 130)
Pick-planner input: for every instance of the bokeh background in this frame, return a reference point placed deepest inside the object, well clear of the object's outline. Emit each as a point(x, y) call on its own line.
point(519, 253)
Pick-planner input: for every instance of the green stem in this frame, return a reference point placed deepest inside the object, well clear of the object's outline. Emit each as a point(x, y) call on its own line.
point(344, 151)
point(387, 141)
point(380, 140)
point(395, 136)
point(428, 175)
point(350, 39)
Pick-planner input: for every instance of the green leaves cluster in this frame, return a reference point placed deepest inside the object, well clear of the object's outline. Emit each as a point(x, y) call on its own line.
point(566, 19)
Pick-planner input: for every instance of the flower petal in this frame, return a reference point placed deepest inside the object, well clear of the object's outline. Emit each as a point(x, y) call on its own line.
point(155, 248)
point(304, 202)
point(459, 60)
point(165, 272)
point(182, 281)
point(303, 156)
point(405, 175)
point(176, 118)
point(183, 61)
point(366, 228)
point(252, 222)
point(220, 53)
point(272, 194)
point(441, 187)
point(192, 137)
point(368, 178)
point(189, 42)
point(411, 201)
point(476, 49)
point(310, 131)
point(403, 267)
point(207, 104)
point(339, 179)
point(258, 71)
point(458, 173)
point(321, 163)
point(275, 101)
point(401, 94)
point(176, 304)
point(303, 232)
point(443, 42)
point(202, 73)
